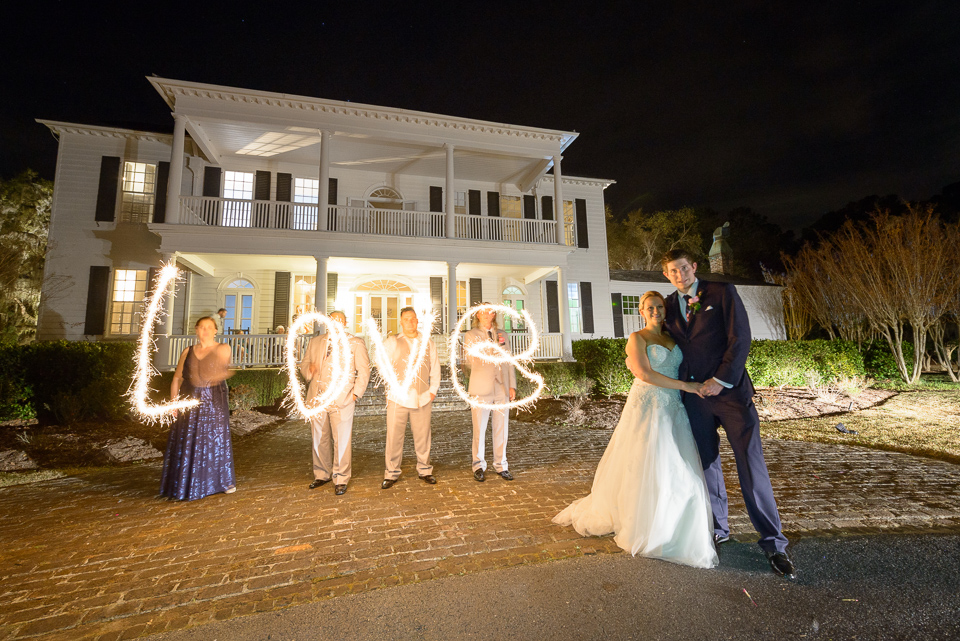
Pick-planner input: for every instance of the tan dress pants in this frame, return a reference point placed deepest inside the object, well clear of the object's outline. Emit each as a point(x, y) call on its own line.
point(397, 417)
point(332, 444)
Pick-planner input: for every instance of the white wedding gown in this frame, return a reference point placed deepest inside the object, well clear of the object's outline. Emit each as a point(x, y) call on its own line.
point(649, 488)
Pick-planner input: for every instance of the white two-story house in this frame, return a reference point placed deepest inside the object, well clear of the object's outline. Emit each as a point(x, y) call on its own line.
point(260, 197)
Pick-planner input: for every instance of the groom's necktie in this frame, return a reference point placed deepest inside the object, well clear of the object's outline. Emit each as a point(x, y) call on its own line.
point(686, 300)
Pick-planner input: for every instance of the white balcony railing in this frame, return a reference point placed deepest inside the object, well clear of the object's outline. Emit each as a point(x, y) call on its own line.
point(269, 214)
point(267, 350)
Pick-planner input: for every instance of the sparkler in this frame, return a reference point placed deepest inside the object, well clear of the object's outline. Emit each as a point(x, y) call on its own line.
point(492, 353)
point(162, 412)
point(396, 387)
point(340, 369)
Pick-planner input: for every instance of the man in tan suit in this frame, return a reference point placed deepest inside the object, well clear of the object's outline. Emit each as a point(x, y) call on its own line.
point(490, 383)
point(414, 403)
point(333, 460)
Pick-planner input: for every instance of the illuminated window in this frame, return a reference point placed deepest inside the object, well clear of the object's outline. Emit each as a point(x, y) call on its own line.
point(129, 290)
point(511, 207)
point(238, 301)
point(306, 190)
point(139, 191)
point(461, 298)
point(237, 186)
point(460, 203)
point(513, 297)
point(631, 305)
point(569, 223)
point(573, 300)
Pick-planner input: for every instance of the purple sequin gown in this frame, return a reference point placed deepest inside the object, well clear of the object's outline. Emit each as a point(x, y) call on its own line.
point(199, 457)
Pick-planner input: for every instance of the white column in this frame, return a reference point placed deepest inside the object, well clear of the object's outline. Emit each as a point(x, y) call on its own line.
point(324, 194)
point(558, 200)
point(320, 295)
point(451, 296)
point(169, 258)
point(175, 179)
point(564, 303)
point(451, 195)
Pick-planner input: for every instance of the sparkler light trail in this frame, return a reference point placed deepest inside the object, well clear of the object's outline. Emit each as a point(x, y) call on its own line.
point(492, 353)
point(396, 387)
point(340, 372)
point(163, 412)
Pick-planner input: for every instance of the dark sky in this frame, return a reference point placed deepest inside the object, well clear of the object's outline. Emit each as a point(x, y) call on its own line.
point(790, 111)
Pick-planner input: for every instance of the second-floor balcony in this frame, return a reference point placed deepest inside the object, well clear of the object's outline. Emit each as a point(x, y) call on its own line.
point(268, 214)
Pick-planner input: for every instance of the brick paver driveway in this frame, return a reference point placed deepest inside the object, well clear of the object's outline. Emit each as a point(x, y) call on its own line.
point(99, 555)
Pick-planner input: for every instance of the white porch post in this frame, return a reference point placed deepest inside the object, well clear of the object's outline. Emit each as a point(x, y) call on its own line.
point(169, 259)
point(175, 179)
point(558, 200)
point(320, 294)
point(451, 296)
point(324, 192)
point(564, 303)
point(451, 195)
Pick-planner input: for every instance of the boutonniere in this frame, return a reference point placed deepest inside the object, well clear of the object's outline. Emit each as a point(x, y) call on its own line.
point(693, 305)
point(503, 339)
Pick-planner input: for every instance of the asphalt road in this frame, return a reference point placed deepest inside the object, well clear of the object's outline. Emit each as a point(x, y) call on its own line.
point(878, 587)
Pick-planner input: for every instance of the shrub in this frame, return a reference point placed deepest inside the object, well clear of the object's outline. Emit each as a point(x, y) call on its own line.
point(243, 397)
point(560, 379)
point(63, 381)
point(777, 363)
point(603, 359)
point(879, 360)
point(267, 384)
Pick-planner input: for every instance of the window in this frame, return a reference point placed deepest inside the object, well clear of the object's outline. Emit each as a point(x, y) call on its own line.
point(573, 300)
point(304, 295)
point(511, 207)
point(139, 190)
point(129, 290)
point(237, 186)
point(238, 301)
point(569, 223)
point(514, 298)
point(306, 192)
point(461, 298)
point(460, 203)
point(631, 305)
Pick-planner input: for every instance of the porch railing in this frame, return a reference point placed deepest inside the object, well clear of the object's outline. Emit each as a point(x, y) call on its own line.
point(270, 214)
point(266, 350)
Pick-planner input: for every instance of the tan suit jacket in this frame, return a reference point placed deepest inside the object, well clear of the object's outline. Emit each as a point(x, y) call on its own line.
point(359, 369)
point(486, 379)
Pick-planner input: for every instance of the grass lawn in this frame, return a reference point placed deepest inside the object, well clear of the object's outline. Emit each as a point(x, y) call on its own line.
point(920, 421)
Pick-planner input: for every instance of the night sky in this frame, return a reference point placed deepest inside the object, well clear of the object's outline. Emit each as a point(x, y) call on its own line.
point(791, 111)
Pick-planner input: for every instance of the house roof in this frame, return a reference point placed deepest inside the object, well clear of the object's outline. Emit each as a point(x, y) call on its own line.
point(641, 276)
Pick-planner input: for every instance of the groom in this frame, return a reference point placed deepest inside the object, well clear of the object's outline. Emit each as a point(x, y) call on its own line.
point(709, 323)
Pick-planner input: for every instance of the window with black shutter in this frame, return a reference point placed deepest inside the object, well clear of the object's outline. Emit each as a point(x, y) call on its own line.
point(281, 295)
point(583, 241)
point(553, 307)
point(107, 190)
point(586, 306)
point(96, 312)
point(617, 315)
point(546, 207)
point(160, 202)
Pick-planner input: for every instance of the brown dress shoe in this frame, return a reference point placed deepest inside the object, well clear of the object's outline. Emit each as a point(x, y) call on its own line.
point(429, 478)
point(387, 484)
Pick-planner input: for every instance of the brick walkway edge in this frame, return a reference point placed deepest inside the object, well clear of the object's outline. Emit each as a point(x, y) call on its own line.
point(100, 556)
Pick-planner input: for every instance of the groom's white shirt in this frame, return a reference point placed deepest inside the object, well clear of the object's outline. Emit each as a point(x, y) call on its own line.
point(692, 291)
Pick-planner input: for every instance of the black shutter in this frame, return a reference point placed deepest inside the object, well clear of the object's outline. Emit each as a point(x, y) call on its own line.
point(331, 293)
point(617, 315)
point(261, 191)
point(284, 195)
point(107, 191)
point(332, 194)
point(436, 300)
point(586, 307)
point(211, 189)
point(493, 203)
point(96, 300)
point(284, 189)
point(546, 207)
point(473, 202)
point(476, 291)
point(160, 192)
point(583, 240)
point(529, 206)
point(436, 198)
point(281, 295)
point(553, 307)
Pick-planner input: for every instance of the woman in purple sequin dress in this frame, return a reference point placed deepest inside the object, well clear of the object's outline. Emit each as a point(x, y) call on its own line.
point(199, 458)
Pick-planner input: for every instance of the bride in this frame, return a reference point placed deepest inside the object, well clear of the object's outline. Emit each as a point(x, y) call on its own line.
point(649, 488)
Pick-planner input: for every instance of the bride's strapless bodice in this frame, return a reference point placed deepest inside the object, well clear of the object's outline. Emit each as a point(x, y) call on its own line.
point(663, 361)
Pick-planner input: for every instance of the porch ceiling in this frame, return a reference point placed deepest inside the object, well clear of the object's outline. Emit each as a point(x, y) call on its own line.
point(300, 145)
point(227, 264)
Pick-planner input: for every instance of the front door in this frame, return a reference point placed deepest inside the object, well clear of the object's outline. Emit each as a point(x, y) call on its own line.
point(384, 308)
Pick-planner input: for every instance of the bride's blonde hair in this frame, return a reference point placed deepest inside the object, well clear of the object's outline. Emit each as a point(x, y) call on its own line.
point(651, 294)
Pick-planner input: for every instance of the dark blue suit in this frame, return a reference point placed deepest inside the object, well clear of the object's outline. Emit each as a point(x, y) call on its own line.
point(715, 344)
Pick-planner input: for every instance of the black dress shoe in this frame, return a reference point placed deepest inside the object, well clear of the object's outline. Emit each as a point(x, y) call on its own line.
point(429, 478)
point(340, 489)
point(387, 484)
point(478, 475)
point(781, 564)
point(318, 482)
point(506, 475)
point(720, 539)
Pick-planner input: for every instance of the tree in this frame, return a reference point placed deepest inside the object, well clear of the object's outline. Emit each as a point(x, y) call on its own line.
point(24, 220)
point(641, 239)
